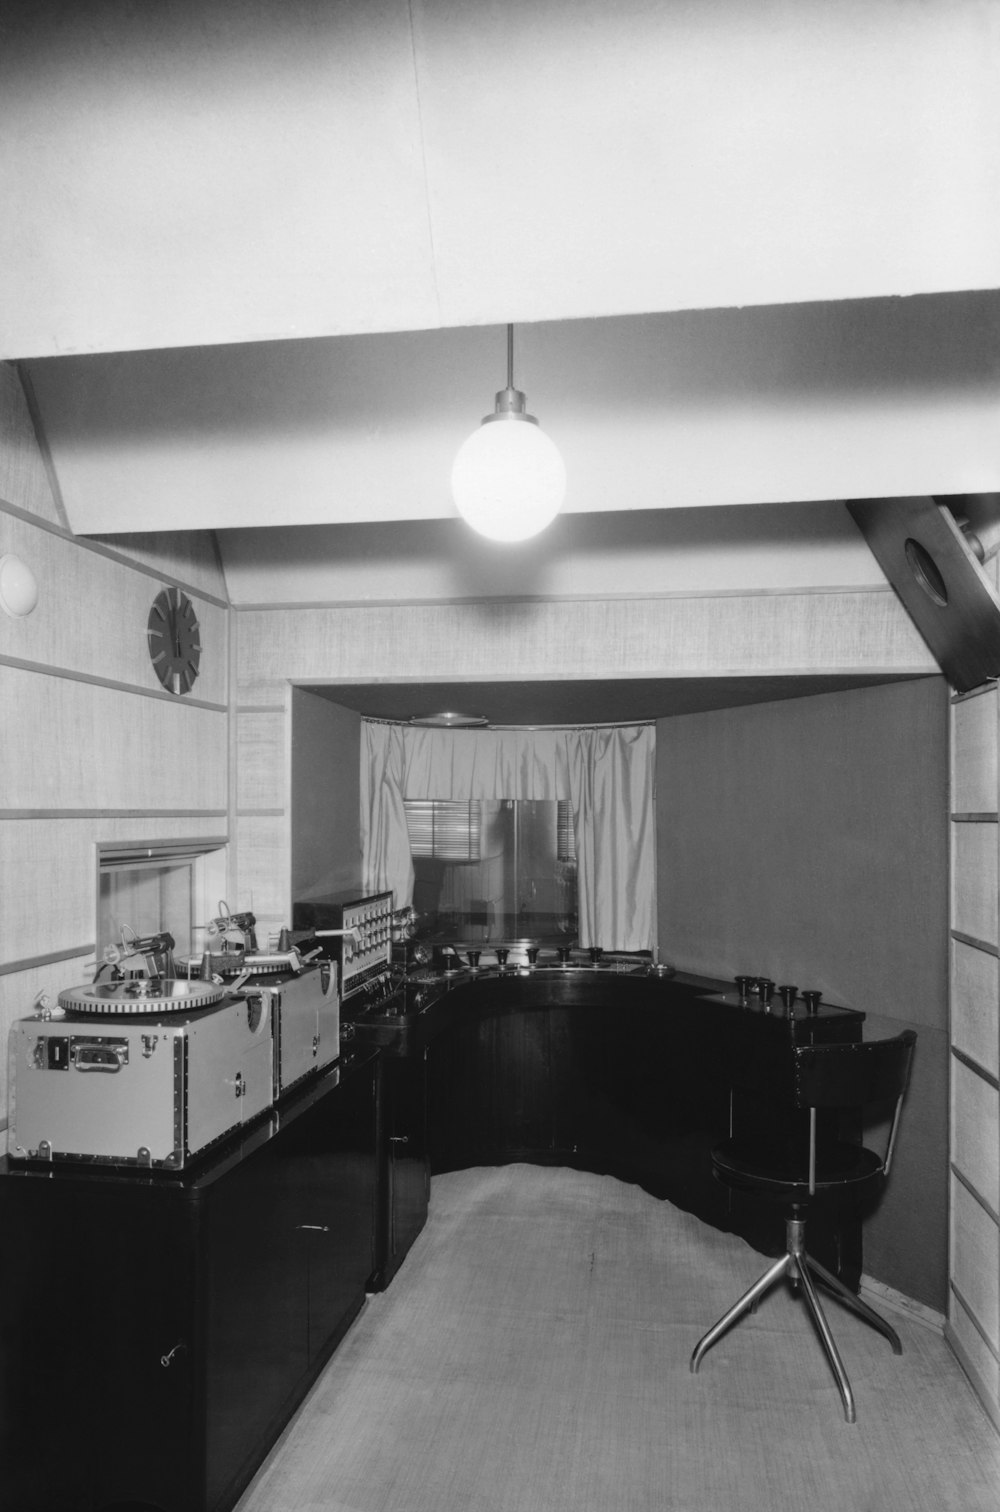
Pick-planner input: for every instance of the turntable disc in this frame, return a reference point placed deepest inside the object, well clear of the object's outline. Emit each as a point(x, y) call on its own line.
point(141, 995)
point(230, 964)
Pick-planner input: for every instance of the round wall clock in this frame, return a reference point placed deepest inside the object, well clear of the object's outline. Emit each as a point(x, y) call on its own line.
point(174, 640)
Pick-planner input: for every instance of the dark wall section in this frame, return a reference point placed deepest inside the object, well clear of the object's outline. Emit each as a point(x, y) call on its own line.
point(807, 841)
point(326, 797)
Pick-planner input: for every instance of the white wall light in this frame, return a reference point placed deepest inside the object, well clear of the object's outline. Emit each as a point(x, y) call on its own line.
point(18, 588)
point(508, 479)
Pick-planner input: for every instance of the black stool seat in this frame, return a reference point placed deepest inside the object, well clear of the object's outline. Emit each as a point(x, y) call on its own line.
point(749, 1168)
point(828, 1077)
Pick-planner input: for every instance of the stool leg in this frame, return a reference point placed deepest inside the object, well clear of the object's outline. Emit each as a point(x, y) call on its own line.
point(747, 1301)
point(843, 1294)
point(832, 1353)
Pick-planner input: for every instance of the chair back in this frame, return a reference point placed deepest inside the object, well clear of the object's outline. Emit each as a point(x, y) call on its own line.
point(870, 1072)
point(849, 1076)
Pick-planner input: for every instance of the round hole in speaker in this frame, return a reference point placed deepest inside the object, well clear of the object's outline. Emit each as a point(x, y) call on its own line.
point(925, 572)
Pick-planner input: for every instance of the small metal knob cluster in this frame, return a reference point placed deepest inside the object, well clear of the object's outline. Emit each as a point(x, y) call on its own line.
point(763, 988)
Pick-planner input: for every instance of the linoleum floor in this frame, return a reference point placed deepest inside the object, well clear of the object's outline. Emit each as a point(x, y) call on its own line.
point(531, 1355)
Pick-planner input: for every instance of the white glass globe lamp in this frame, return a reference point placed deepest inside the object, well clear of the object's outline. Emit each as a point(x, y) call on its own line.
point(508, 479)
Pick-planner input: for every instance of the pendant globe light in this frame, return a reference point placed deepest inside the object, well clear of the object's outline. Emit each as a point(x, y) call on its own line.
point(508, 479)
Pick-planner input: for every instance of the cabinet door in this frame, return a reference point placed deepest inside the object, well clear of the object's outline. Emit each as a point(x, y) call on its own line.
point(490, 1091)
point(255, 1306)
point(336, 1145)
point(405, 1165)
point(96, 1383)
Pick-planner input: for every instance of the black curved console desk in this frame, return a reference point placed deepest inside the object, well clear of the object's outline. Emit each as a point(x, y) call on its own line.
point(623, 1073)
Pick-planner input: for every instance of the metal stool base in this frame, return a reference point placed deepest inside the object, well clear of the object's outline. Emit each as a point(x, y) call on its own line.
point(798, 1267)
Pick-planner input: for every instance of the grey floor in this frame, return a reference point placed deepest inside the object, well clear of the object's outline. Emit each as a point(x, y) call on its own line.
point(532, 1356)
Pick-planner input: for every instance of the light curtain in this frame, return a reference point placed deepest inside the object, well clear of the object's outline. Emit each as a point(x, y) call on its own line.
point(605, 773)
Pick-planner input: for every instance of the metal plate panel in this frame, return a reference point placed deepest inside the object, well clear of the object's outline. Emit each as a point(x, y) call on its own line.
point(925, 556)
point(103, 1114)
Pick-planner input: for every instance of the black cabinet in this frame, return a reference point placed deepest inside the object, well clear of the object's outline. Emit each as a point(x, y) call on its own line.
point(156, 1332)
point(404, 1163)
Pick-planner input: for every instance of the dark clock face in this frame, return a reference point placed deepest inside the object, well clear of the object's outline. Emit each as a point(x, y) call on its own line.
point(174, 640)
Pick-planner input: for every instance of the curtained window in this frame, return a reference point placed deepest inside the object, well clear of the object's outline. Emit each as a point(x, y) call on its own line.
point(603, 775)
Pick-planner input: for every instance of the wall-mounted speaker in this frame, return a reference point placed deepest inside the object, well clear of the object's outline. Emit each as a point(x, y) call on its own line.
point(931, 550)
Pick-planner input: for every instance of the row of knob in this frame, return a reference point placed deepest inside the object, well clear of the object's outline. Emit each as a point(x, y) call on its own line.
point(453, 961)
point(764, 989)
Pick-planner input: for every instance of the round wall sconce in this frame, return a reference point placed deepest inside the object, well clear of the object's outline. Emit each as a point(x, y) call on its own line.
point(18, 587)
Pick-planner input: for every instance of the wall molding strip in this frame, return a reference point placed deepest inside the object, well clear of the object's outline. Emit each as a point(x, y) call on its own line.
point(986, 687)
point(967, 939)
point(260, 813)
point(8, 968)
point(984, 818)
point(119, 557)
point(967, 1184)
point(112, 813)
point(974, 1066)
point(570, 598)
point(44, 670)
point(878, 1292)
point(264, 708)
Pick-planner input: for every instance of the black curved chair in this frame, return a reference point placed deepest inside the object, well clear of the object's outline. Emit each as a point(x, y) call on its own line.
point(833, 1077)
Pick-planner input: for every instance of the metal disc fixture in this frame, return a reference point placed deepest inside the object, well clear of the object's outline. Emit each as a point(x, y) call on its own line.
point(141, 995)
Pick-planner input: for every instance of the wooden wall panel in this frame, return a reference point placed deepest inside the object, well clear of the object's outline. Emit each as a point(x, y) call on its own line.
point(974, 755)
point(975, 994)
point(262, 870)
point(261, 760)
point(975, 1132)
point(976, 1261)
point(974, 881)
point(974, 1311)
point(732, 634)
point(86, 746)
point(92, 615)
point(980, 1362)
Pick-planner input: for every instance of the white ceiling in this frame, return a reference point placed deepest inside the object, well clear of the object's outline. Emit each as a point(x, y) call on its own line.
point(213, 171)
point(257, 255)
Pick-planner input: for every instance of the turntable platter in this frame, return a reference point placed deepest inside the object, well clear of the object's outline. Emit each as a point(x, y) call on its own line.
point(141, 995)
point(232, 964)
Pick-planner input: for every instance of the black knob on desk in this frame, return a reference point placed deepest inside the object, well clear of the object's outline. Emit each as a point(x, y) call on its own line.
point(811, 1000)
point(595, 953)
point(564, 954)
point(743, 985)
point(532, 953)
point(765, 988)
point(503, 951)
point(788, 995)
point(474, 958)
